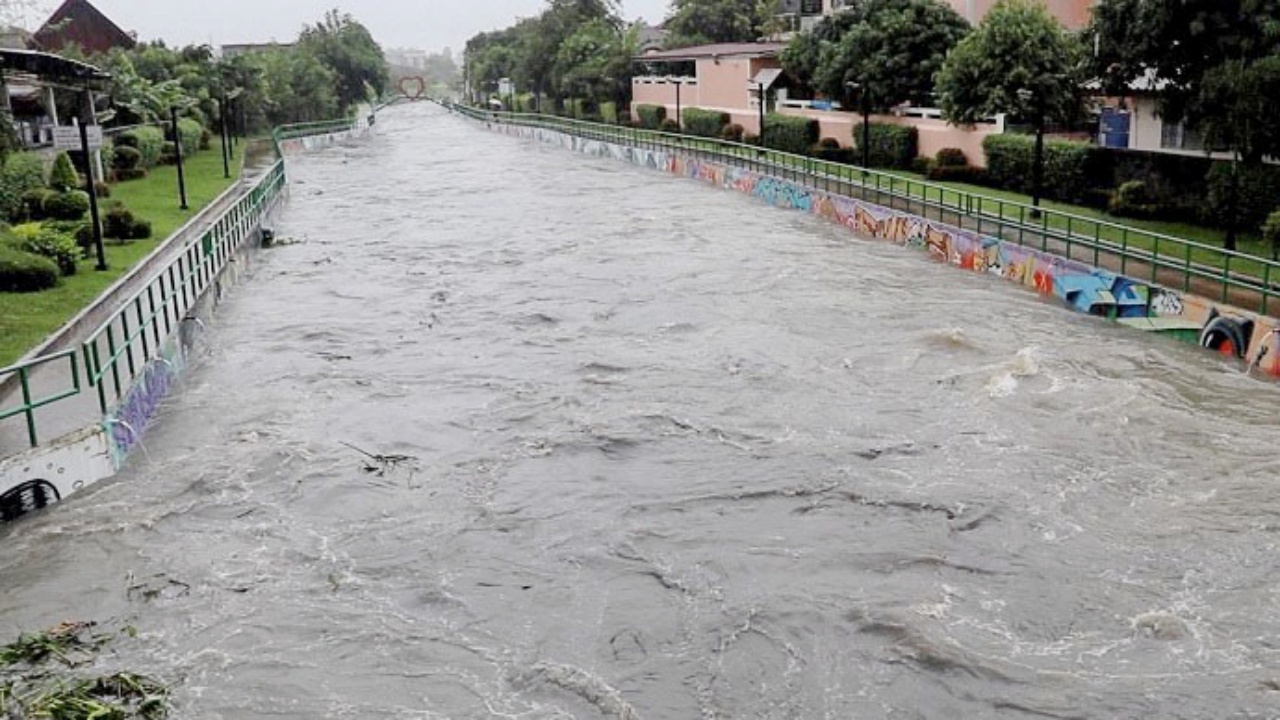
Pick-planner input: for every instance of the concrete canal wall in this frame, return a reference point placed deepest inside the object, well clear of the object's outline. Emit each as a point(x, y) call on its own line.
point(1251, 338)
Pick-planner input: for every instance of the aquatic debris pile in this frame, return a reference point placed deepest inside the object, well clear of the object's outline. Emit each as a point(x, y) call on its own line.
point(40, 677)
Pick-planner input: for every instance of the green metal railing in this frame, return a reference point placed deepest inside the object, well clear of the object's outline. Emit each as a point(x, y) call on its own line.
point(29, 404)
point(119, 350)
point(1245, 281)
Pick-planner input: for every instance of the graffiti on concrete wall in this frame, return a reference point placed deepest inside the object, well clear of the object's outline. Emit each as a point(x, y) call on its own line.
point(128, 421)
point(1249, 337)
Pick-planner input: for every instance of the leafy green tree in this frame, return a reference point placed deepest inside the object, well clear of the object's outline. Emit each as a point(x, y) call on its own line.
point(803, 55)
point(700, 22)
point(348, 49)
point(301, 88)
point(1019, 61)
point(595, 62)
point(1213, 63)
point(891, 51)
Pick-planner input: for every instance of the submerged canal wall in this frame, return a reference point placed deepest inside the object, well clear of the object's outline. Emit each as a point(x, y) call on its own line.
point(1251, 338)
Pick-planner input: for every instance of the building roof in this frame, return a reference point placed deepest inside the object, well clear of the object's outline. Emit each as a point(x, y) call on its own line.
point(78, 22)
point(718, 50)
point(28, 67)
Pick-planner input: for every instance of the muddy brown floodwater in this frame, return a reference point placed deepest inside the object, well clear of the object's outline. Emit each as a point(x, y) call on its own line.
point(506, 432)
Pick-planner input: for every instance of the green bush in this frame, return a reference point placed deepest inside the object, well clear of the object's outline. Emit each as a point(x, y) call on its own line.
point(651, 116)
point(609, 112)
point(1134, 201)
point(126, 158)
point(46, 241)
point(732, 132)
point(1271, 232)
point(1257, 188)
point(63, 176)
point(131, 174)
point(81, 230)
point(108, 154)
point(101, 189)
point(33, 204)
point(790, 133)
point(119, 223)
point(71, 205)
point(189, 134)
point(24, 272)
point(705, 123)
point(147, 140)
point(1069, 167)
point(669, 125)
point(890, 146)
point(952, 157)
point(21, 173)
point(922, 166)
point(957, 174)
point(748, 139)
point(168, 153)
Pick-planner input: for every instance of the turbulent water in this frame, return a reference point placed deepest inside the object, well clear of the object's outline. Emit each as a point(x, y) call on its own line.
point(505, 432)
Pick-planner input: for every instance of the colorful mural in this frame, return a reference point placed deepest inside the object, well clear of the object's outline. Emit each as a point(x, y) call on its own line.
point(1253, 339)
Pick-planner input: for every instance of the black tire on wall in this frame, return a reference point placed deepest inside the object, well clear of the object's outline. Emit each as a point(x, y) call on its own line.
point(1227, 335)
point(27, 498)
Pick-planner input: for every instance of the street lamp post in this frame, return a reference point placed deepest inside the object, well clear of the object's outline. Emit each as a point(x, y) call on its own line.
point(761, 103)
point(1037, 165)
point(177, 148)
point(679, 118)
point(865, 108)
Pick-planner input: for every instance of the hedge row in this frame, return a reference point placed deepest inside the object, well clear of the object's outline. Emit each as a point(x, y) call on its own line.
point(651, 116)
point(25, 272)
point(190, 133)
point(147, 140)
point(20, 174)
point(790, 133)
point(609, 112)
point(891, 146)
point(704, 123)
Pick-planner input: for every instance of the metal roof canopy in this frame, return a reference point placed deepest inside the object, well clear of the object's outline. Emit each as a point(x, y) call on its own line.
point(27, 67)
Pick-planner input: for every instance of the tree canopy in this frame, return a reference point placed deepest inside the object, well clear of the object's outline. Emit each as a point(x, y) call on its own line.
point(700, 22)
point(1019, 61)
point(889, 49)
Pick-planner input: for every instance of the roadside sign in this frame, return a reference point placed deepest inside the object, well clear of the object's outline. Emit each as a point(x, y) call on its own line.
point(67, 137)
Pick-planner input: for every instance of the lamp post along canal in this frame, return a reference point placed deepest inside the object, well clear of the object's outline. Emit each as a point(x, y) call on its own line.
point(93, 196)
point(177, 149)
point(865, 108)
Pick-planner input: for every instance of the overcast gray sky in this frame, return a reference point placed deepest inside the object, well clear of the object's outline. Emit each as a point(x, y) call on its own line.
point(425, 24)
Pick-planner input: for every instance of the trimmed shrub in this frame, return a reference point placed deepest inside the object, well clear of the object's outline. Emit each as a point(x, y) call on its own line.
point(1068, 166)
point(24, 272)
point(922, 165)
point(126, 158)
point(189, 134)
point(141, 230)
point(891, 146)
point(33, 204)
point(651, 116)
point(63, 176)
point(47, 241)
point(81, 230)
point(669, 125)
point(958, 174)
point(790, 133)
point(20, 174)
point(147, 140)
point(131, 174)
point(119, 223)
point(609, 112)
point(732, 132)
point(1133, 200)
point(168, 153)
point(705, 123)
point(1257, 188)
point(829, 149)
point(952, 157)
point(750, 139)
point(206, 138)
point(108, 154)
point(67, 205)
point(101, 189)
point(1271, 232)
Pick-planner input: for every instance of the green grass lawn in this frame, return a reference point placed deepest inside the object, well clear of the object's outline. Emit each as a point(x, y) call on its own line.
point(26, 319)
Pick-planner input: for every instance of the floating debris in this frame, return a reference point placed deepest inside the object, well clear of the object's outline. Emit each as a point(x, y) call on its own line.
point(40, 677)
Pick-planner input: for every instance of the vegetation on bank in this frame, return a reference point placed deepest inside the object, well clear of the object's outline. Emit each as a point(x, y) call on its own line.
point(50, 675)
point(27, 318)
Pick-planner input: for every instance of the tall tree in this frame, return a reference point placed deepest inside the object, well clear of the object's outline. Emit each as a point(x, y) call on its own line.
point(700, 22)
point(348, 49)
point(1213, 64)
point(1018, 61)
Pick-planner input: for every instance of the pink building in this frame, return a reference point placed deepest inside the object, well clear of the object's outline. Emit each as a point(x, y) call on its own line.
point(1073, 14)
point(724, 77)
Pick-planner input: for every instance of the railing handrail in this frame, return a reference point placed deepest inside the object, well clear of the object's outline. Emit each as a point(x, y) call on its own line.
point(210, 242)
point(972, 204)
